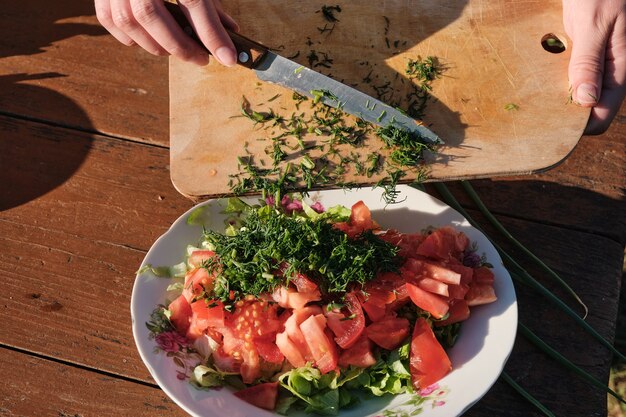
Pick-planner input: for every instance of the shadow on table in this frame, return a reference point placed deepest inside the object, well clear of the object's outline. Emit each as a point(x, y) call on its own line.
point(36, 158)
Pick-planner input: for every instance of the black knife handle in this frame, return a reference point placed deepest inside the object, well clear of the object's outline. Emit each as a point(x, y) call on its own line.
point(249, 52)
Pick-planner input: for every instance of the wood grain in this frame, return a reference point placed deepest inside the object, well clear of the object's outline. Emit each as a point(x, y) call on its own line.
point(493, 56)
point(70, 252)
point(69, 257)
point(38, 387)
point(57, 64)
point(585, 193)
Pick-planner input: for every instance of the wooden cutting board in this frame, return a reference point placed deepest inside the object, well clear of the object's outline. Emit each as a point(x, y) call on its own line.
point(501, 104)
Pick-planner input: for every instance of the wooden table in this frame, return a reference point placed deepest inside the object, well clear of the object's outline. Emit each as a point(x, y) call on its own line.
point(85, 191)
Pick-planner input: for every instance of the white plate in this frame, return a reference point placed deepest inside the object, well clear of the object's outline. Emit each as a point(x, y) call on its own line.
point(478, 357)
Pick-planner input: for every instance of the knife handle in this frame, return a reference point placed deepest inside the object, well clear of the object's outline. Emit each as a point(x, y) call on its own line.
point(249, 52)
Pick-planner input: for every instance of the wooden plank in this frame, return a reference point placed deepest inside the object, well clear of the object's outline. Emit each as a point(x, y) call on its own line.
point(59, 65)
point(585, 192)
point(38, 387)
point(69, 257)
point(578, 264)
point(493, 56)
point(79, 215)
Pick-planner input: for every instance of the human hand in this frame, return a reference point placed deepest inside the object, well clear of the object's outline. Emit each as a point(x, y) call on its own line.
point(597, 68)
point(148, 24)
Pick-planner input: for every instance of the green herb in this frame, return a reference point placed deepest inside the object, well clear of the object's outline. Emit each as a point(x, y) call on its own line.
point(298, 70)
point(424, 70)
point(268, 237)
point(329, 13)
point(511, 106)
point(159, 322)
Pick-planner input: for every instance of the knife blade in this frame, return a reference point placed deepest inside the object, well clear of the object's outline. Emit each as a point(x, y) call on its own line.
point(273, 68)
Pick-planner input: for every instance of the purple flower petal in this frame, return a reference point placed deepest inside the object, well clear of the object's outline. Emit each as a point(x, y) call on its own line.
point(318, 207)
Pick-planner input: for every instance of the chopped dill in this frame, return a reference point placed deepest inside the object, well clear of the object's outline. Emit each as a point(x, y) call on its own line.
point(269, 237)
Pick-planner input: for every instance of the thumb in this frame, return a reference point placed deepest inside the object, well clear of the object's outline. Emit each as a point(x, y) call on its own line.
point(586, 66)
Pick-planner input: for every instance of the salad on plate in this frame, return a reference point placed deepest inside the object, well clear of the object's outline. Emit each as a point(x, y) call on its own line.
point(295, 306)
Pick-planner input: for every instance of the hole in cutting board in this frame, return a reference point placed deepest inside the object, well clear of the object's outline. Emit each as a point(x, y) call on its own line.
point(551, 43)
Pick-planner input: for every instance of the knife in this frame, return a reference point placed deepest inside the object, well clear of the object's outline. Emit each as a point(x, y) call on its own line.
point(273, 68)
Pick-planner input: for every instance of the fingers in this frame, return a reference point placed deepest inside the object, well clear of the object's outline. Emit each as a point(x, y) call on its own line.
point(587, 64)
point(103, 13)
point(123, 18)
point(161, 26)
point(148, 24)
point(614, 82)
point(205, 19)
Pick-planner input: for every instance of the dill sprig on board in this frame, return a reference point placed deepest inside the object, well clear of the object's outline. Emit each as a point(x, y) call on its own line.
point(249, 260)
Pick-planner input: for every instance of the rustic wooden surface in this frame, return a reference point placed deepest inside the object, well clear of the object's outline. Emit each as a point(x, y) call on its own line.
point(85, 190)
point(493, 57)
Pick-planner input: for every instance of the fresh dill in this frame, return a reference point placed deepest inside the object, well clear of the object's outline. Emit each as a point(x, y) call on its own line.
point(249, 260)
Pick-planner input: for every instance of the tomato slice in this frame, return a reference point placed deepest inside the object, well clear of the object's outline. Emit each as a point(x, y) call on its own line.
point(480, 294)
point(204, 314)
point(289, 349)
point(433, 286)
point(361, 216)
point(303, 283)
point(290, 298)
point(347, 328)
point(197, 257)
point(428, 361)
point(251, 321)
point(260, 395)
point(197, 281)
point(459, 311)
point(441, 273)
point(388, 333)
point(322, 347)
point(180, 314)
point(483, 275)
point(432, 303)
point(444, 243)
point(360, 354)
point(269, 351)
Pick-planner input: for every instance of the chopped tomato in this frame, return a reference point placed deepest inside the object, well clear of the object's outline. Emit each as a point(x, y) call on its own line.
point(483, 275)
point(252, 320)
point(458, 291)
point(432, 303)
point(428, 361)
point(289, 349)
point(347, 328)
point(374, 309)
point(443, 244)
point(433, 286)
point(480, 294)
point(197, 281)
point(290, 298)
point(467, 273)
point(322, 347)
point(197, 257)
point(204, 314)
point(389, 333)
point(407, 243)
point(224, 362)
point(360, 220)
point(303, 283)
point(269, 351)
point(361, 217)
point(441, 273)
point(360, 354)
point(180, 314)
point(261, 395)
point(459, 311)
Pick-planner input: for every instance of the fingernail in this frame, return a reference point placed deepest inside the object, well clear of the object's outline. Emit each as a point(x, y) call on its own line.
point(586, 94)
point(202, 59)
point(226, 56)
